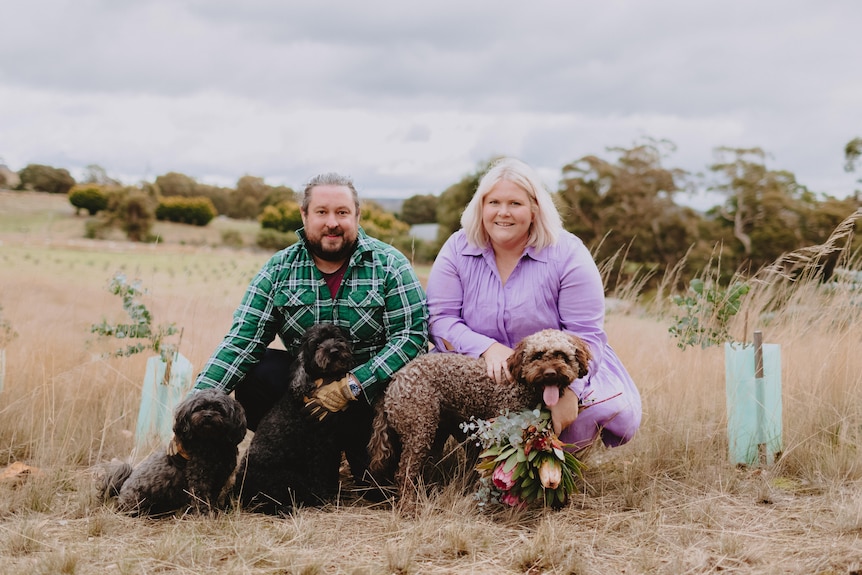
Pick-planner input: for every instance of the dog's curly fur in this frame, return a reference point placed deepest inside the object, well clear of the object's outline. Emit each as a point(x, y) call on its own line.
point(290, 460)
point(208, 427)
point(430, 396)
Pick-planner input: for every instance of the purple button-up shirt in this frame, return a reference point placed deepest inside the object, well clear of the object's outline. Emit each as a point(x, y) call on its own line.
point(558, 287)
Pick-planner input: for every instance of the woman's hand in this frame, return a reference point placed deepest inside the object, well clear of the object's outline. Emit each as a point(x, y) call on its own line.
point(565, 411)
point(496, 360)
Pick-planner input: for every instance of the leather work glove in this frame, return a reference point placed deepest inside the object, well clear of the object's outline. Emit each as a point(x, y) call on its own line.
point(330, 398)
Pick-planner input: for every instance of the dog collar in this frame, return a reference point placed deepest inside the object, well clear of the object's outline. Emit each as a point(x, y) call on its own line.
point(175, 449)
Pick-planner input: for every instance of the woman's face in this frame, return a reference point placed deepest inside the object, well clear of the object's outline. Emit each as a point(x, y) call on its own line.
point(507, 215)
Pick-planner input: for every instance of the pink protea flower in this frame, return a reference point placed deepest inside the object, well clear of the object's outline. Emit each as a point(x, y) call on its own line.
point(502, 480)
point(512, 500)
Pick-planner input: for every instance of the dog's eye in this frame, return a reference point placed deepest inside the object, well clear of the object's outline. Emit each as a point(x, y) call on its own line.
point(536, 356)
point(560, 355)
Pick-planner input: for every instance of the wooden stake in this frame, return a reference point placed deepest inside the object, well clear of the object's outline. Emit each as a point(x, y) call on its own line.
point(758, 354)
point(758, 382)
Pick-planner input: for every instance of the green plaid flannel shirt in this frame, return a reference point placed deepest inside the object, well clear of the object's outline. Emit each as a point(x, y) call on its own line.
point(380, 302)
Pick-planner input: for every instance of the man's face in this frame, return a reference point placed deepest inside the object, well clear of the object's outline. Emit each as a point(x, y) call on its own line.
point(331, 223)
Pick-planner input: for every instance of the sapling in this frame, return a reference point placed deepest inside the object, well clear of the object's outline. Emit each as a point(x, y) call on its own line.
point(141, 326)
point(707, 311)
point(168, 375)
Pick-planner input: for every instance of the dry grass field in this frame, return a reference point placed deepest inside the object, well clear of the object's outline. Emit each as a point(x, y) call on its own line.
point(669, 502)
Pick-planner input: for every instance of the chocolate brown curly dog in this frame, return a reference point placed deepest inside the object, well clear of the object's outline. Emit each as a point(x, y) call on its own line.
point(430, 396)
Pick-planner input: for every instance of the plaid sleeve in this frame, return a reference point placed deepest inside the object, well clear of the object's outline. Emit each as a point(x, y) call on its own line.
point(405, 320)
point(254, 327)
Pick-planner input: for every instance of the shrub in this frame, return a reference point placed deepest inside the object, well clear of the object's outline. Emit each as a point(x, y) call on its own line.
point(274, 240)
point(232, 238)
point(198, 211)
point(131, 210)
point(45, 179)
point(90, 198)
point(420, 209)
point(283, 217)
point(96, 229)
point(380, 224)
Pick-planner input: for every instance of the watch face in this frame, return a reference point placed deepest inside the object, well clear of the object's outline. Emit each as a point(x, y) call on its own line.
point(355, 388)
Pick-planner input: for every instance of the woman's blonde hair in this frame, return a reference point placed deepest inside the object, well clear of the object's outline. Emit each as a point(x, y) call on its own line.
point(547, 224)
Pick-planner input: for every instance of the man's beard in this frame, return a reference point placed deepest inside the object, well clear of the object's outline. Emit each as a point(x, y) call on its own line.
point(315, 246)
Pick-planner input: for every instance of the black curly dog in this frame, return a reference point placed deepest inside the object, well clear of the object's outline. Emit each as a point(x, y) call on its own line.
point(292, 461)
point(194, 471)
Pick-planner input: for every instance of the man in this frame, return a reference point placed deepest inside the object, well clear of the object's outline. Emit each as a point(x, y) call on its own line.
point(337, 274)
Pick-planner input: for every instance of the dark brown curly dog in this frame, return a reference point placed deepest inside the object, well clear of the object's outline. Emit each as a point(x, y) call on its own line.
point(194, 472)
point(430, 396)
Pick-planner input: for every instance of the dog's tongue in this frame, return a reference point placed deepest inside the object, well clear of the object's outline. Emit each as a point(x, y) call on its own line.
point(551, 395)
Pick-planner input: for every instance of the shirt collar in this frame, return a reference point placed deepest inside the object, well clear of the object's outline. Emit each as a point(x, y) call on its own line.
point(530, 251)
point(363, 242)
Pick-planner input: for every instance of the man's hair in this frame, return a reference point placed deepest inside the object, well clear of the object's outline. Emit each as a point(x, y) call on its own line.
point(547, 224)
point(328, 179)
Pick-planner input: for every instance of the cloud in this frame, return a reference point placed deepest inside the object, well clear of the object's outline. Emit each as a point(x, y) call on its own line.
point(411, 97)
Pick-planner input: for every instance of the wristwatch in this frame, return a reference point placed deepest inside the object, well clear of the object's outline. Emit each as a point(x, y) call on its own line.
point(354, 386)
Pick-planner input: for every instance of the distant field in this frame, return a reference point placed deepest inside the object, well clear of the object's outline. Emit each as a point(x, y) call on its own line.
point(39, 219)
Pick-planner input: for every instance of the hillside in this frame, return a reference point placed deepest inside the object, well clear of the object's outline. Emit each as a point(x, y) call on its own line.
point(29, 216)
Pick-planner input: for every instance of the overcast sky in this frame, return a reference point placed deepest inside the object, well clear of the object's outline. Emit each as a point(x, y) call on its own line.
point(408, 97)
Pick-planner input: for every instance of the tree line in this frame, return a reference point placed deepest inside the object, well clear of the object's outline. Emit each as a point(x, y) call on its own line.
point(623, 204)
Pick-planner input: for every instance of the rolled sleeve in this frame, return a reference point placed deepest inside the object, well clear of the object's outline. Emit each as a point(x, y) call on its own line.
point(254, 327)
point(405, 325)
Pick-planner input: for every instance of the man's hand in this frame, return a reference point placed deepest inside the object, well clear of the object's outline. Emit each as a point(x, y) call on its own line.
point(496, 360)
point(329, 398)
point(565, 411)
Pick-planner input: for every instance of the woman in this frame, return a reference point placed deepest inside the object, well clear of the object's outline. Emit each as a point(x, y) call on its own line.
point(512, 270)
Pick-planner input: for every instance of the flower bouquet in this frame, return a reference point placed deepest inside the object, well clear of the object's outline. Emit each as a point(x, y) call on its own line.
point(522, 462)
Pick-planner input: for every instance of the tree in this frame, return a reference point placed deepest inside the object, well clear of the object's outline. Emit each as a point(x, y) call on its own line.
point(763, 206)
point(132, 211)
point(177, 184)
point(454, 199)
point(278, 194)
point(8, 178)
point(419, 209)
point(45, 179)
point(852, 154)
point(252, 195)
point(96, 174)
point(627, 203)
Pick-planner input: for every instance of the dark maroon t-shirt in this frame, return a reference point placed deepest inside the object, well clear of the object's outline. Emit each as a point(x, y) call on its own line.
point(333, 280)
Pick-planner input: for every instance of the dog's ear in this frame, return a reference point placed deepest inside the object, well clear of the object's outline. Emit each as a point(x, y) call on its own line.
point(237, 418)
point(516, 361)
point(182, 416)
point(582, 354)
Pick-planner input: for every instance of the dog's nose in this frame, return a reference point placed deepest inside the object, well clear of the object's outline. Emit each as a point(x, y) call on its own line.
point(549, 372)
